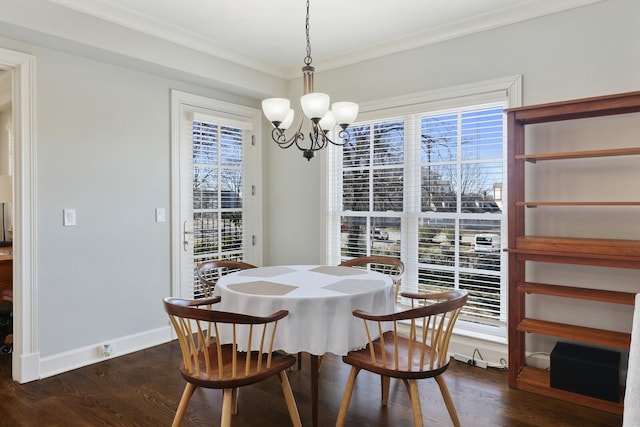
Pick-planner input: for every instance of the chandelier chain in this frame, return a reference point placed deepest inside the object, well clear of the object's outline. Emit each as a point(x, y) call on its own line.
point(307, 59)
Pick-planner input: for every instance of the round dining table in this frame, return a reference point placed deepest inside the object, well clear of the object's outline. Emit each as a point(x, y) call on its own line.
point(320, 300)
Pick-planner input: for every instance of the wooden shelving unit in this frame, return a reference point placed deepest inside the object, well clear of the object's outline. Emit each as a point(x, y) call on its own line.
point(523, 248)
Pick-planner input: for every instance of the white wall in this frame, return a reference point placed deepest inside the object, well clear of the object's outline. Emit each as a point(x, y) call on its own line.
point(5, 120)
point(6, 137)
point(102, 138)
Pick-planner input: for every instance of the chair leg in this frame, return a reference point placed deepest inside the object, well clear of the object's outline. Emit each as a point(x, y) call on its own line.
point(346, 399)
point(182, 406)
point(415, 403)
point(385, 382)
point(227, 403)
point(406, 385)
point(234, 401)
point(290, 399)
point(447, 400)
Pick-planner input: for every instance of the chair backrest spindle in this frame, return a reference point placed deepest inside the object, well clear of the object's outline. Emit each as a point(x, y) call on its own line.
point(199, 331)
point(209, 272)
point(422, 353)
point(223, 350)
point(393, 267)
point(430, 327)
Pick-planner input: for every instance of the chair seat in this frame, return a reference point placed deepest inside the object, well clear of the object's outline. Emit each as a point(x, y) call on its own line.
point(279, 362)
point(417, 370)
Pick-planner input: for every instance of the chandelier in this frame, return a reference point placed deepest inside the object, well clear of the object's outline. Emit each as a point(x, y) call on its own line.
point(315, 106)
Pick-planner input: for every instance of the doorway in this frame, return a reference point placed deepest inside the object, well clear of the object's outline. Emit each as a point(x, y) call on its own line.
point(6, 192)
point(25, 356)
point(217, 193)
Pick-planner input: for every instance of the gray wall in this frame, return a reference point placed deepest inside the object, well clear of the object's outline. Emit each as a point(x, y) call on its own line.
point(103, 148)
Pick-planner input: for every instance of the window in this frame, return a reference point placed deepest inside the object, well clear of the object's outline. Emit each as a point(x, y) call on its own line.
point(423, 181)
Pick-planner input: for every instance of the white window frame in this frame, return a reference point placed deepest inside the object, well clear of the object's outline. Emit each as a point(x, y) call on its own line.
point(507, 90)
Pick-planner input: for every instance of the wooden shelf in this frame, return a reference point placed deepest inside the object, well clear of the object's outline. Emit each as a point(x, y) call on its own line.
point(540, 203)
point(538, 381)
point(579, 154)
point(603, 337)
point(608, 105)
point(524, 249)
point(614, 297)
point(6, 268)
point(570, 246)
point(576, 259)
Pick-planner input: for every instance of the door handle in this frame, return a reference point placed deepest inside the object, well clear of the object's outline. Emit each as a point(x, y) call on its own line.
point(185, 233)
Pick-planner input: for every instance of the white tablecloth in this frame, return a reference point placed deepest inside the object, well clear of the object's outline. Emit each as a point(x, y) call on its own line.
point(320, 301)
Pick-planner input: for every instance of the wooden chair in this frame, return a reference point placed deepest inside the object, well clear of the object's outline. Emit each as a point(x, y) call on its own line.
point(422, 353)
point(394, 267)
point(209, 363)
point(210, 271)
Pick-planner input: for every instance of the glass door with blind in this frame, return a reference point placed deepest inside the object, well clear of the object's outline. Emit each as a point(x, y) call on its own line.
point(218, 209)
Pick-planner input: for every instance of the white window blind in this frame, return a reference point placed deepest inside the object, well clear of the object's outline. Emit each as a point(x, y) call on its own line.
point(372, 189)
point(425, 184)
point(461, 166)
point(218, 231)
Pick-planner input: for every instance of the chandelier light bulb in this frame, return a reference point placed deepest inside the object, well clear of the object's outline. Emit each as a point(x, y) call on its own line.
point(276, 110)
point(328, 122)
point(315, 105)
point(345, 112)
point(288, 120)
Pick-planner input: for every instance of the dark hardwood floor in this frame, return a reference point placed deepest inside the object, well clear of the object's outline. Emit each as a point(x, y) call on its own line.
point(143, 389)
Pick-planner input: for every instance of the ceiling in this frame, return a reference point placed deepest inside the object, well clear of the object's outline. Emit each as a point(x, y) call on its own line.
point(269, 35)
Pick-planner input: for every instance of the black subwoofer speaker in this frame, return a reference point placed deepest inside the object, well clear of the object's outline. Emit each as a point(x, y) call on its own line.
point(586, 370)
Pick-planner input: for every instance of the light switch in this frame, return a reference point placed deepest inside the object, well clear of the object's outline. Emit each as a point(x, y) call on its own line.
point(160, 215)
point(68, 217)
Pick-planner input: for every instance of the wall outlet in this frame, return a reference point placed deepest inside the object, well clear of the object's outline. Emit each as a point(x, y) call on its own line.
point(160, 215)
point(469, 360)
point(68, 217)
point(107, 350)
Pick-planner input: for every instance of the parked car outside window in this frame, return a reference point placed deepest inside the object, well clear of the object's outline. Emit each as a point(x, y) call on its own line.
point(487, 243)
point(377, 234)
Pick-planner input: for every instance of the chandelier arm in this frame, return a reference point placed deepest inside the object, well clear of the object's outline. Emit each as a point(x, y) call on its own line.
point(313, 136)
point(279, 136)
point(301, 138)
point(342, 134)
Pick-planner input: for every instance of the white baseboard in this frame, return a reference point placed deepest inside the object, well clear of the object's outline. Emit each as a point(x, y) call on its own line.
point(69, 360)
point(495, 354)
point(26, 368)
